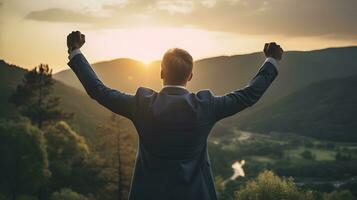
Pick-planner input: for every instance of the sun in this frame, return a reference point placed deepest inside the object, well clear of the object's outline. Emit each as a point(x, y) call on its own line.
point(148, 44)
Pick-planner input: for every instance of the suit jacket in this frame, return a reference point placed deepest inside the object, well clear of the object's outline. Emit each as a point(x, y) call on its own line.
point(173, 125)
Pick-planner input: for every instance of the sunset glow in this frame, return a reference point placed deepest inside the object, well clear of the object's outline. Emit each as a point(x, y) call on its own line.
point(144, 30)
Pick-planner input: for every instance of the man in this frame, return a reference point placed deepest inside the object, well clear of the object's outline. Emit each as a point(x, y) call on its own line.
point(173, 125)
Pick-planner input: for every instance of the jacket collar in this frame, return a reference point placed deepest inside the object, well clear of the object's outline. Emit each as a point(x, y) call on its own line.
point(174, 89)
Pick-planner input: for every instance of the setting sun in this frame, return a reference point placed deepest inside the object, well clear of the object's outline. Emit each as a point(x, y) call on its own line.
point(150, 43)
point(114, 29)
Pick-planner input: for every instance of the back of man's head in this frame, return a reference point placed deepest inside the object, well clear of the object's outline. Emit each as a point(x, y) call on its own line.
point(176, 67)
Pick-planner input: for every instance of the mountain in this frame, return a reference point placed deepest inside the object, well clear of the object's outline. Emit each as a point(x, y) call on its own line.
point(281, 109)
point(297, 70)
point(87, 116)
point(325, 110)
point(225, 73)
point(123, 73)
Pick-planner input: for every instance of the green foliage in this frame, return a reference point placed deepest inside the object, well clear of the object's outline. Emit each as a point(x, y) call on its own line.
point(66, 150)
point(85, 120)
point(67, 194)
point(33, 98)
point(269, 186)
point(339, 195)
point(64, 143)
point(24, 167)
point(117, 148)
point(222, 193)
point(305, 112)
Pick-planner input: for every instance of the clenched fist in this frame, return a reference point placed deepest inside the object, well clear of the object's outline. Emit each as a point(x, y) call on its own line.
point(273, 50)
point(75, 40)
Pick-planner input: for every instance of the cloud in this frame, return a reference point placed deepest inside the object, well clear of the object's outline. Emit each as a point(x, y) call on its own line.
point(328, 18)
point(283, 17)
point(175, 6)
point(62, 15)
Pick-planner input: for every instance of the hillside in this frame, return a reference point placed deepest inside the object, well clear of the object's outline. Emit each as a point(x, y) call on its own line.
point(291, 104)
point(297, 70)
point(87, 116)
point(325, 110)
point(223, 74)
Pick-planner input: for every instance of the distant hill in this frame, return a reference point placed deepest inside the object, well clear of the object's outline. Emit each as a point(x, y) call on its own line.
point(225, 73)
point(325, 110)
point(297, 70)
point(291, 104)
point(88, 114)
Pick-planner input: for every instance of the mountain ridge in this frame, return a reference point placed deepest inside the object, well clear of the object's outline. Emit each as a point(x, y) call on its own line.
point(223, 74)
point(325, 110)
point(298, 71)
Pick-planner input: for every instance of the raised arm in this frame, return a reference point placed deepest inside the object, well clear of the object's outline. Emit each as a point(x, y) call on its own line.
point(114, 100)
point(238, 100)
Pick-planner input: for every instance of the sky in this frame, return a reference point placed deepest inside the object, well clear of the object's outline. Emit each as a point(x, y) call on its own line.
point(34, 32)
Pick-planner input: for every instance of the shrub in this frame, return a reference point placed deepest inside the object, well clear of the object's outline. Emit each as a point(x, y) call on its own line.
point(269, 186)
point(67, 194)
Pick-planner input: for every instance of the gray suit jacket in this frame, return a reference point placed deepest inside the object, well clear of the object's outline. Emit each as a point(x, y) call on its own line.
point(173, 126)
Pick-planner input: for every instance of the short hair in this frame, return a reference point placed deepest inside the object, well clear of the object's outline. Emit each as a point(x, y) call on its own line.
point(177, 64)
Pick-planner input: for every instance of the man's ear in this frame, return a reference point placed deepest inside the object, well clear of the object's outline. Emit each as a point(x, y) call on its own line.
point(190, 77)
point(162, 74)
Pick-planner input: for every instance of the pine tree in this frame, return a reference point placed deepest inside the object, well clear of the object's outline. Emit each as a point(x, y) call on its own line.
point(118, 147)
point(34, 100)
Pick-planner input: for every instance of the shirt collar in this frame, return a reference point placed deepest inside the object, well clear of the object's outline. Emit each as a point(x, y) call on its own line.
point(174, 86)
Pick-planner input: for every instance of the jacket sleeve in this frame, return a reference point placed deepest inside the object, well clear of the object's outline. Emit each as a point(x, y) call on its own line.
point(117, 102)
point(234, 102)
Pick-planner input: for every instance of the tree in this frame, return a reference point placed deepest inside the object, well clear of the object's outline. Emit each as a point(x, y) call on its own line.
point(118, 148)
point(269, 186)
point(66, 150)
point(23, 166)
point(34, 100)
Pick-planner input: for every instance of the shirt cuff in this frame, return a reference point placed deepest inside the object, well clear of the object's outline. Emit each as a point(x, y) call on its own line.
point(74, 53)
point(272, 61)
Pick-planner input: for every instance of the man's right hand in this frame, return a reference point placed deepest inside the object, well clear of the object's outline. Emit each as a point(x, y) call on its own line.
point(273, 50)
point(75, 40)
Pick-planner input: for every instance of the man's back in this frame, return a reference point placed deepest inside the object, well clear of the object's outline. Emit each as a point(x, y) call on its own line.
point(172, 161)
point(172, 123)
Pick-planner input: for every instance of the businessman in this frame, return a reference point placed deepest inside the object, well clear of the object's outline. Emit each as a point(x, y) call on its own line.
point(173, 124)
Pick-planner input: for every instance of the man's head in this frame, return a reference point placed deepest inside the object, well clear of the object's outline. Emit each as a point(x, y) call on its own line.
point(176, 67)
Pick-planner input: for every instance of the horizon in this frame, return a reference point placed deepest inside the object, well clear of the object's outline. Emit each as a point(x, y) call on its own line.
point(196, 60)
point(231, 55)
point(144, 30)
